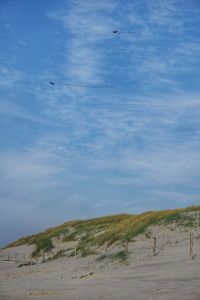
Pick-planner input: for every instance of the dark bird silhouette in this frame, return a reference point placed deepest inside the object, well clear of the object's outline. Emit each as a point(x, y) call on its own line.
point(84, 86)
point(123, 33)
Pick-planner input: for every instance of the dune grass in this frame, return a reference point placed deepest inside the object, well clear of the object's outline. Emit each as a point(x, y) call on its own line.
point(106, 230)
point(120, 256)
point(42, 245)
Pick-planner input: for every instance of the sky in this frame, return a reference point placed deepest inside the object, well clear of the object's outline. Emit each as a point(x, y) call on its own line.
point(119, 131)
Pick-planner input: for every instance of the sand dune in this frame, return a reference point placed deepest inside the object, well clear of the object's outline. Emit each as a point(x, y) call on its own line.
point(170, 275)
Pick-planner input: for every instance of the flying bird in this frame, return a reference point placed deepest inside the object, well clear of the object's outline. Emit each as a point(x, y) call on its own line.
point(123, 33)
point(84, 86)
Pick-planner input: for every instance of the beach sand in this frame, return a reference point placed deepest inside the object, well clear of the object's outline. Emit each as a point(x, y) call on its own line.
point(170, 275)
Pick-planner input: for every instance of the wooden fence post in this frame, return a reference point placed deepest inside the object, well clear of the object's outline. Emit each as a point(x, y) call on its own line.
point(126, 247)
point(154, 246)
point(75, 251)
point(191, 244)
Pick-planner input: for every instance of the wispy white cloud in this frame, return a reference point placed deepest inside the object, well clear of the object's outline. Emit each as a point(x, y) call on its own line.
point(89, 25)
point(28, 172)
point(9, 77)
point(13, 110)
point(164, 44)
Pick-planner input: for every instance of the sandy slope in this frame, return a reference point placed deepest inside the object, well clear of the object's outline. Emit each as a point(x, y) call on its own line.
point(171, 274)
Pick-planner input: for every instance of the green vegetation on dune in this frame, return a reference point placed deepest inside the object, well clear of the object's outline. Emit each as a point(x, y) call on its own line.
point(72, 229)
point(120, 255)
point(42, 245)
point(93, 233)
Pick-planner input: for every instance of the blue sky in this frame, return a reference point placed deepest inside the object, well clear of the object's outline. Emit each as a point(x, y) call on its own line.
point(69, 152)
